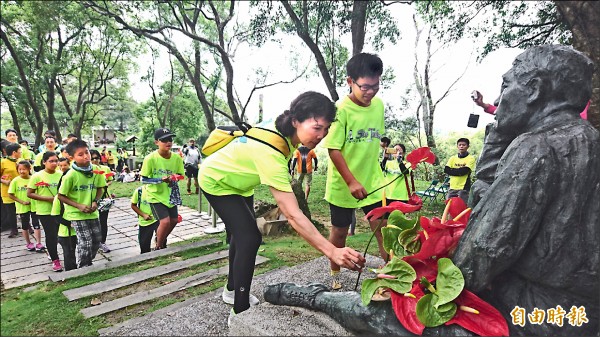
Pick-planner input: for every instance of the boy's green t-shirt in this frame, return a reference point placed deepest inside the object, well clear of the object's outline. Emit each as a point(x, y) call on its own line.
point(44, 207)
point(396, 190)
point(18, 187)
point(81, 189)
point(155, 166)
point(63, 230)
point(143, 205)
point(242, 165)
point(356, 132)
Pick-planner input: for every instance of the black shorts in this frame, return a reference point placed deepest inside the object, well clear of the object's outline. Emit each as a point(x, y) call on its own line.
point(191, 171)
point(160, 211)
point(342, 217)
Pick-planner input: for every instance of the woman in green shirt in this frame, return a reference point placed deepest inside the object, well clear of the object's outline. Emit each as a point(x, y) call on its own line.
point(228, 178)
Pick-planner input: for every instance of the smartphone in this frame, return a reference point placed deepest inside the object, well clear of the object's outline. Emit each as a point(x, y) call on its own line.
point(390, 150)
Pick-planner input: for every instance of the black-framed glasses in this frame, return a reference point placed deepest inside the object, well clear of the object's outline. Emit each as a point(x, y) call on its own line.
point(166, 140)
point(366, 87)
point(95, 158)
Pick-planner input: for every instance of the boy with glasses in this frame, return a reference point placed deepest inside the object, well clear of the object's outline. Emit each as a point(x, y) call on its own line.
point(163, 192)
point(353, 143)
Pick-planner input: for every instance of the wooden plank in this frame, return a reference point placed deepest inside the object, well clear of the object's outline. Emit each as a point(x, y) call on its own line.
point(172, 287)
point(125, 280)
point(138, 258)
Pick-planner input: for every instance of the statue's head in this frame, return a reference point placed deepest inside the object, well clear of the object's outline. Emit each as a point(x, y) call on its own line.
point(544, 80)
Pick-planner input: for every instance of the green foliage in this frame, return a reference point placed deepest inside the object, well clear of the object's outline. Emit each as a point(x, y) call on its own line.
point(496, 23)
point(450, 282)
point(429, 315)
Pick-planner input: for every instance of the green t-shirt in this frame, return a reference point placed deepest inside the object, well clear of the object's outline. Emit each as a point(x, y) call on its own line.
point(143, 205)
point(356, 133)
point(459, 182)
point(18, 187)
point(81, 189)
point(44, 207)
point(155, 166)
point(63, 230)
point(396, 190)
point(242, 165)
point(26, 153)
point(38, 158)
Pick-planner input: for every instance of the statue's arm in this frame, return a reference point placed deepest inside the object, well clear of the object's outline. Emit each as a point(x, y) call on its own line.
point(509, 214)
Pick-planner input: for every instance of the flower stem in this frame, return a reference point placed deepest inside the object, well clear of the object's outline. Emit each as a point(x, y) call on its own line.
point(366, 249)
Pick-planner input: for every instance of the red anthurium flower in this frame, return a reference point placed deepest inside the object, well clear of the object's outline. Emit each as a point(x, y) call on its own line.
point(403, 207)
point(422, 154)
point(109, 174)
point(456, 206)
point(405, 307)
point(98, 172)
point(427, 268)
point(415, 200)
point(177, 177)
point(439, 244)
point(179, 218)
point(42, 184)
point(5, 177)
point(488, 322)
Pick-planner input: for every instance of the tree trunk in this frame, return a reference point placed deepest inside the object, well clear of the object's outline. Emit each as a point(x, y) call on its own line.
point(359, 16)
point(13, 115)
point(582, 19)
point(314, 48)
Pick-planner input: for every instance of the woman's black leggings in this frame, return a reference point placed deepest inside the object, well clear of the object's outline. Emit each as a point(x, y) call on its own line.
point(104, 225)
point(237, 213)
point(50, 226)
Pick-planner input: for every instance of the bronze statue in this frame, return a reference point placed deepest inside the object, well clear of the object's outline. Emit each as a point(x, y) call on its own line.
point(533, 240)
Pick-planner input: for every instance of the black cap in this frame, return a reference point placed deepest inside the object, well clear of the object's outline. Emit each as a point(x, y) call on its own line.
point(161, 133)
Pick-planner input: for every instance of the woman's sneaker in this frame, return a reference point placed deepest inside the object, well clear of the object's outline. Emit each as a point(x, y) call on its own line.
point(231, 314)
point(229, 297)
point(30, 247)
point(39, 247)
point(56, 265)
point(104, 248)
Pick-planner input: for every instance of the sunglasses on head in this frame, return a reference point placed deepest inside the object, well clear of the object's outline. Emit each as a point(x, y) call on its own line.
point(166, 140)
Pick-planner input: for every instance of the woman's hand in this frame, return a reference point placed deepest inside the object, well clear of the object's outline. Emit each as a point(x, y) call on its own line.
point(348, 258)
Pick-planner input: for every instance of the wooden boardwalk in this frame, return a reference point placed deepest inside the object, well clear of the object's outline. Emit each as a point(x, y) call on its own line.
point(20, 267)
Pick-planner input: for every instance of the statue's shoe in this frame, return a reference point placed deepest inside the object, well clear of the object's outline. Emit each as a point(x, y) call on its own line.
point(292, 294)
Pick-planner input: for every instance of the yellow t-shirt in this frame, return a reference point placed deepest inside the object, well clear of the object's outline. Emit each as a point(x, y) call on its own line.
point(8, 171)
point(243, 164)
point(143, 205)
point(459, 182)
point(44, 207)
point(81, 189)
point(356, 132)
point(18, 187)
point(63, 230)
point(155, 166)
point(396, 190)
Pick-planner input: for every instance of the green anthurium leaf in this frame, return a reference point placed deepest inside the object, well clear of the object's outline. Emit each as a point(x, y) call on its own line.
point(398, 219)
point(404, 273)
point(390, 240)
point(408, 239)
point(449, 282)
point(429, 315)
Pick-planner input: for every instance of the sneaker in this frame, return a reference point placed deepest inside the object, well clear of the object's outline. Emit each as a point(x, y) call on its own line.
point(335, 279)
point(229, 297)
point(39, 247)
point(30, 247)
point(56, 265)
point(104, 248)
point(231, 314)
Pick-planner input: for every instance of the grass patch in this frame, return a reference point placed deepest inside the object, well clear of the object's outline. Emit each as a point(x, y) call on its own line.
point(44, 310)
